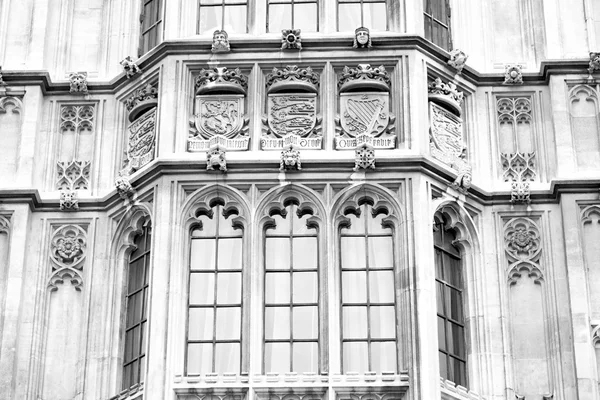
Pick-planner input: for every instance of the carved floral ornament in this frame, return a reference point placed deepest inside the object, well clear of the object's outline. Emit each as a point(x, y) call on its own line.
point(67, 254)
point(78, 82)
point(523, 247)
point(292, 118)
point(219, 118)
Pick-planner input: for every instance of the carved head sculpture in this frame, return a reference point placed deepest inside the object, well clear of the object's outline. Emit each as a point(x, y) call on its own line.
point(362, 38)
point(220, 41)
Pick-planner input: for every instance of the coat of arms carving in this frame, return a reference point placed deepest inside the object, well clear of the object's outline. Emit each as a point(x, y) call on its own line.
point(365, 116)
point(292, 118)
point(219, 118)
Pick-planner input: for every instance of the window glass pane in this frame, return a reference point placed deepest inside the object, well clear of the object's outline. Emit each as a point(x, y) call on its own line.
point(348, 17)
point(353, 252)
point(277, 253)
point(230, 254)
point(376, 224)
point(305, 253)
point(383, 356)
point(227, 357)
point(440, 298)
point(305, 287)
point(144, 304)
point(381, 286)
point(282, 225)
point(455, 305)
point(306, 357)
point(354, 287)
point(277, 288)
point(443, 365)
point(226, 224)
point(439, 274)
point(456, 342)
point(199, 358)
point(200, 324)
point(306, 323)
point(135, 348)
point(143, 335)
point(355, 356)
point(280, 17)
point(202, 287)
point(209, 19)
point(277, 357)
point(453, 271)
point(142, 369)
point(305, 17)
point(375, 16)
point(381, 253)
point(203, 254)
point(300, 227)
point(131, 308)
point(441, 333)
point(229, 321)
point(204, 2)
point(229, 288)
point(460, 372)
point(235, 19)
point(354, 322)
point(128, 346)
point(135, 372)
point(277, 323)
point(136, 275)
point(383, 322)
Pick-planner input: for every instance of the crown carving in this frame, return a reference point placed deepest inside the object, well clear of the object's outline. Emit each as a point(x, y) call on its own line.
point(221, 80)
point(364, 77)
point(293, 78)
point(141, 100)
point(446, 94)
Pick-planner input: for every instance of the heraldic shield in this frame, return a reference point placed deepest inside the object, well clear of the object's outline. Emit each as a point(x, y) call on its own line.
point(365, 118)
point(142, 131)
point(219, 119)
point(446, 139)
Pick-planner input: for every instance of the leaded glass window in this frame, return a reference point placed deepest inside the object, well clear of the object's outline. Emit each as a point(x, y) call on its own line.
point(230, 15)
point(368, 302)
point(371, 14)
point(136, 324)
point(437, 22)
point(299, 14)
point(151, 20)
point(214, 335)
point(291, 302)
point(450, 315)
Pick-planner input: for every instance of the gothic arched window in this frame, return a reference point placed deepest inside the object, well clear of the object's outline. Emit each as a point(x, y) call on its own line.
point(136, 324)
point(291, 291)
point(449, 283)
point(215, 303)
point(368, 300)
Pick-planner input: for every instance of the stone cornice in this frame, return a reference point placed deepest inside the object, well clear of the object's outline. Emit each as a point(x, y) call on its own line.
point(317, 48)
point(266, 171)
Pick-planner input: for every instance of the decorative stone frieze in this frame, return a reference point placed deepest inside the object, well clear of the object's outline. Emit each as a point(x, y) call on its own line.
point(364, 157)
point(216, 158)
point(445, 94)
point(365, 117)
point(130, 67)
point(68, 247)
point(141, 100)
point(513, 74)
point(518, 167)
point(124, 188)
point(78, 82)
point(291, 40)
point(290, 159)
point(68, 200)
point(77, 118)
point(458, 60)
point(220, 43)
point(523, 248)
point(219, 111)
point(362, 38)
point(74, 175)
point(292, 118)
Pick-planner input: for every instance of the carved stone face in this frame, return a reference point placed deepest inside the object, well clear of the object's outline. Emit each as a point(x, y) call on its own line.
point(220, 38)
point(362, 37)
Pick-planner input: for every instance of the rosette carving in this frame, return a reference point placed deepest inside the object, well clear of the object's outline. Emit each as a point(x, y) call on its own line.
point(523, 248)
point(67, 254)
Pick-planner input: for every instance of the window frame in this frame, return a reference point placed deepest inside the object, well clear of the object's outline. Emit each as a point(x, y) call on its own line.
point(386, 3)
point(156, 24)
point(292, 3)
point(223, 5)
point(428, 13)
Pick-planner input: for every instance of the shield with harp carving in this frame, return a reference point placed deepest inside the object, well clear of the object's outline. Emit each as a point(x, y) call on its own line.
point(364, 113)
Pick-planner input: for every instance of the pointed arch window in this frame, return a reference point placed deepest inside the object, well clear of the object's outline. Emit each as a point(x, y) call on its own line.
point(215, 302)
point(437, 22)
point(450, 308)
point(291, 292)
point(368, 301)
point(136, 324)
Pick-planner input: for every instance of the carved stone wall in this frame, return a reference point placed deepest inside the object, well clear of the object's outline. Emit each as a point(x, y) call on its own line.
point(583, 110)
point(11, 109)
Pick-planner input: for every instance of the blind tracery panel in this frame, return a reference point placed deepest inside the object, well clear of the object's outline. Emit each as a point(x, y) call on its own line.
point(291, 320)
point(450, 315)
point(214, 334)
point(368, 304)
point(137, 309)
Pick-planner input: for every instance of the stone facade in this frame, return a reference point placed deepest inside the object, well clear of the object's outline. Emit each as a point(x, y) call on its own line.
point(500, 140)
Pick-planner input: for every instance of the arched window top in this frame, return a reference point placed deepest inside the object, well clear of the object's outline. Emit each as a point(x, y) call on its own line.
point(217, 221)
point(307, 205)
point(455, 221)
point(200, 206)
point(444, 235)
point(373, 199)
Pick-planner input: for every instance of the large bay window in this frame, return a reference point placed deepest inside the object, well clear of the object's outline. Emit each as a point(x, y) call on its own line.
point(214, 335)
point(450, 314)
point(368, 303)
point(136, 323)
point(291, 294)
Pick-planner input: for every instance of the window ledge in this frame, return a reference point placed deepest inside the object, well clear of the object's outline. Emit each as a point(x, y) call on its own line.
point(133, 393)
point(450, 391)
point(348, 379)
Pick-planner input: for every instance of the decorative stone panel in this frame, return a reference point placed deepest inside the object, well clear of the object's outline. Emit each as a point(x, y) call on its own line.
point(68, 248)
